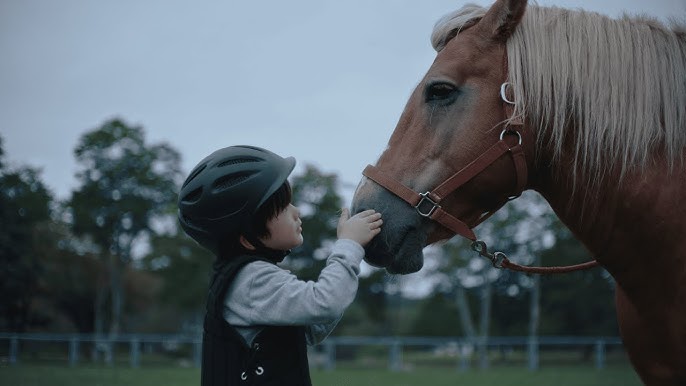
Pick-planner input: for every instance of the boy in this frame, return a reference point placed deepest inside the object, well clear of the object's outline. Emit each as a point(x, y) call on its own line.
point(259, 319)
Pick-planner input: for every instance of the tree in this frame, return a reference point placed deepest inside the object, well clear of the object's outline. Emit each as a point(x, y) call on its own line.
point(513, 303)
point(67, 281)
point(573, 303)
point(126, 188)
point(427, 322)
point(24, 204)
point(184, 269)
point(580, 303)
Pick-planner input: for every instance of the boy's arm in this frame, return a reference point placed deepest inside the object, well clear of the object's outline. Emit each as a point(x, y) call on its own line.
point(264, 294)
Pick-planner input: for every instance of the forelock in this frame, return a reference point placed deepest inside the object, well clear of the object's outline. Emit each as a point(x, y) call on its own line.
point(450, 24)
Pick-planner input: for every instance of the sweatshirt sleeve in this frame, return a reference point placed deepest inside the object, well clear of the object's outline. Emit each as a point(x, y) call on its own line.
point(316, 333)
point(265, 294)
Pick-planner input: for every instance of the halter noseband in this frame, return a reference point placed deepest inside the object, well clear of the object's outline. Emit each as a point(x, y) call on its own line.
point(428, 204)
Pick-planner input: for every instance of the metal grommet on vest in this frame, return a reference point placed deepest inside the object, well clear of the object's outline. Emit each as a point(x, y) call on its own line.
point(258, 371)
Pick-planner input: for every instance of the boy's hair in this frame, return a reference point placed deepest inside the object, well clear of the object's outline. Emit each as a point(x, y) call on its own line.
point(271, 208)
point(231, 246)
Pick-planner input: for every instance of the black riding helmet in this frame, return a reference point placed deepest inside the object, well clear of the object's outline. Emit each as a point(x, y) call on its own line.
point(225, 189)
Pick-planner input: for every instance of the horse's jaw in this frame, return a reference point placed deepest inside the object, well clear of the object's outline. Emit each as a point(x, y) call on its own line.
point(399, 253)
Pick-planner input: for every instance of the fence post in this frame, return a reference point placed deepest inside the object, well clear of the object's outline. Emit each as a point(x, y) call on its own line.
point(482, 352)
point(330, 350)
point(135, 352)
point(464, 351)
point(14, 350)
point(395, 356)
point(73, 351)
point(107, 351)
point(599, 354)
point(197, 353)
point(533, 353)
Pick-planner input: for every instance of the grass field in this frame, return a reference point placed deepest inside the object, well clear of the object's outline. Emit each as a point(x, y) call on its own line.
point(83, 375)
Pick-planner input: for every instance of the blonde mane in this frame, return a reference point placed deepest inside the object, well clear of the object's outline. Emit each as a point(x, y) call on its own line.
point(620, 82)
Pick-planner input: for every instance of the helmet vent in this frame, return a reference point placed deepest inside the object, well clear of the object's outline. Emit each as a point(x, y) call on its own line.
point(191, 223)
point(194, 174)
point(229, 181)
point(192, 196)
point(235, 161)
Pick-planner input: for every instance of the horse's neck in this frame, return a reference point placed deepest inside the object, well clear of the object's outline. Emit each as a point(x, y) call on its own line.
point(580, 209)
point(638, 221)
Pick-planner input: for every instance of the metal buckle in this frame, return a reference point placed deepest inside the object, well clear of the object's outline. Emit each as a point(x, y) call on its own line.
point(425, 198)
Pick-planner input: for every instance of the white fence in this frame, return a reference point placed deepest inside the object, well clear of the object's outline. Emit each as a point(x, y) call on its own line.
point(394, 353)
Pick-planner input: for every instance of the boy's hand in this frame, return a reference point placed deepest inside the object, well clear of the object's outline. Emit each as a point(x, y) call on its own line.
point(361, 227)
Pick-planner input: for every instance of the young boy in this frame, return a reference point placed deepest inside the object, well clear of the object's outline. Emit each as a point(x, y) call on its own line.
point(259, 319)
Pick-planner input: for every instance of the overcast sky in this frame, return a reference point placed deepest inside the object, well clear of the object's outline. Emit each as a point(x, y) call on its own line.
point(323, 81)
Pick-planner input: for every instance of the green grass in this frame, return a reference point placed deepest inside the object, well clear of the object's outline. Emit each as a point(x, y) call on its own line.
point(62, 375)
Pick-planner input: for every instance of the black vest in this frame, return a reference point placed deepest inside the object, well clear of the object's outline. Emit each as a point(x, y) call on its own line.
point(278, 356)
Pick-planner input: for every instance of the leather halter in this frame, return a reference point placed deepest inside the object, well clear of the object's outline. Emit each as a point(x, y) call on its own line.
point(428, 204)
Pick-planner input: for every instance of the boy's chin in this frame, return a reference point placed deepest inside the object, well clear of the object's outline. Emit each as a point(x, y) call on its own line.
point(295, 244)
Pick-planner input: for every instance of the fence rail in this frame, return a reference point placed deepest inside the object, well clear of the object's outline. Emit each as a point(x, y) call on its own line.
point(462, 350)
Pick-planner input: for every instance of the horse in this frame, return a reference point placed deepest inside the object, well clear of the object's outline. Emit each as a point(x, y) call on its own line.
point(587, 110)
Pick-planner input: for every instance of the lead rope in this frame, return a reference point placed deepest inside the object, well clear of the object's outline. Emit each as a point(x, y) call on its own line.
point(500, 260)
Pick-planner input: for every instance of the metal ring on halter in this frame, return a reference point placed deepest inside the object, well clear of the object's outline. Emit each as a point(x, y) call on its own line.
point(508, 131)
point(244, 376)
point(480, 247)
point(259, 370)
point(503, 93)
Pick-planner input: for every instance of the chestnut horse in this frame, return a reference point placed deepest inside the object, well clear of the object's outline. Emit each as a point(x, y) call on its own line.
point(588, 111)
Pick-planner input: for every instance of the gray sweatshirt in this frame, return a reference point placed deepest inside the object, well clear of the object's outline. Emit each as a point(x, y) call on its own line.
point(264, 294)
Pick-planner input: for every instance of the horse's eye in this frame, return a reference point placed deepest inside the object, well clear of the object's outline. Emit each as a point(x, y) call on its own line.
point(440, 91)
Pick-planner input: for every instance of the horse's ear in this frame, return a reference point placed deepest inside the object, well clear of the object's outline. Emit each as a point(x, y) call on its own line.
point(502, 18)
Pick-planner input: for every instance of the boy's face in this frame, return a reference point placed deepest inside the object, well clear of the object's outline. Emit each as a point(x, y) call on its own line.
point(285, 230)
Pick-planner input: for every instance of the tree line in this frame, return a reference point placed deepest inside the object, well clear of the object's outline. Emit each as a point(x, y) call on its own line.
point(111, 258)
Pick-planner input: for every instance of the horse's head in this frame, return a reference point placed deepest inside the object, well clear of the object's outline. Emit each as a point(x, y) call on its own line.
point(454, 116)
